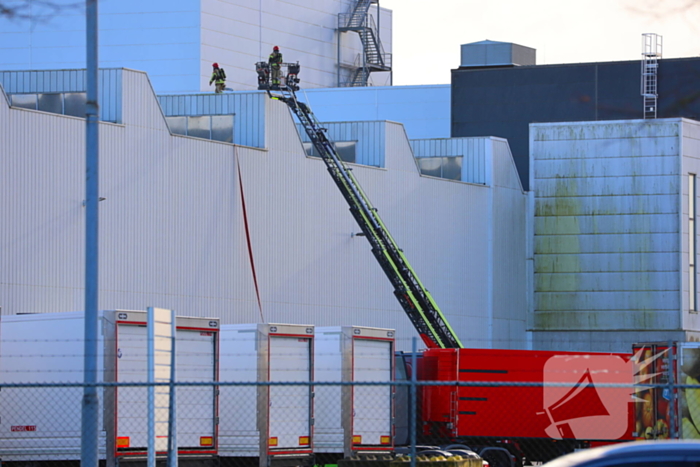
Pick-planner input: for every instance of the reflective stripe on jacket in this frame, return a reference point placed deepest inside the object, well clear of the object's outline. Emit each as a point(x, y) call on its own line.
point(275, 59)
point(215, 77)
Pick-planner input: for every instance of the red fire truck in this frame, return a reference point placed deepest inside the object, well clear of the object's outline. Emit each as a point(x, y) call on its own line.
point(535, 404)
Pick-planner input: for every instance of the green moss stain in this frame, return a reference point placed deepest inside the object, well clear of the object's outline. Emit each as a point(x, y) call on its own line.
point(557, 261)
point(625, 242)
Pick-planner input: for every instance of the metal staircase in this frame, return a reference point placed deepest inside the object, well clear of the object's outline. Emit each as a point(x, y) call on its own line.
point(652, 45)
point(373, 58)
point(414, 298)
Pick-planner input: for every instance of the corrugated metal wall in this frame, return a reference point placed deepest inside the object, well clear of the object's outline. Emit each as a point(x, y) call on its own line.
point(438, 224)
point(53, 81)
point(369, 136)
point(475, 151)
point(607, 232)
point(172, 230)
point(510, 213)
point(690, 149)
point(42, 179)
point(248, 131)
point(4, 95)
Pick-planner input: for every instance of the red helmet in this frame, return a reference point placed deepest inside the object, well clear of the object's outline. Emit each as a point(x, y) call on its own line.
point(275, 48)
point(215, 65)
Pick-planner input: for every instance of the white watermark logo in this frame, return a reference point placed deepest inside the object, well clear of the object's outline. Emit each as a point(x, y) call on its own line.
point(588, 396)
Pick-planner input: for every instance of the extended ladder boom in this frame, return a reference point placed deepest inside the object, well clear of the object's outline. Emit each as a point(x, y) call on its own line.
point(414, 298)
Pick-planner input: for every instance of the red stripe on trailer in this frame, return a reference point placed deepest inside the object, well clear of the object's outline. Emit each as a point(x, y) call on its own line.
point(187, 328)
point(197, 452)
point(141, 453)
point(306, 336)
point(388, 339)
point(306, 451)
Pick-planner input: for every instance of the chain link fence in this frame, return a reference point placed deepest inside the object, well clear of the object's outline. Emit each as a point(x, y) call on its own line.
point(282, 395)
point(325, 423)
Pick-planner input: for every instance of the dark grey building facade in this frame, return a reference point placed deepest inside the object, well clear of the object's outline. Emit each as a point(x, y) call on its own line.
point(503, 100)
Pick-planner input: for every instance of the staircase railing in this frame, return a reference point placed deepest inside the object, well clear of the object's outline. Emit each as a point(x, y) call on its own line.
point(359, 73)
point(356, 18)
point(374, 58)
point(374, 50)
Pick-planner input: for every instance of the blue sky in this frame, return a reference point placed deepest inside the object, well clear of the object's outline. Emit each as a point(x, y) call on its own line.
point(428, 35)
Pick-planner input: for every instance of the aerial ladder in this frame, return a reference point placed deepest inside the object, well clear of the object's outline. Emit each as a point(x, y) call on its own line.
point(414, 298)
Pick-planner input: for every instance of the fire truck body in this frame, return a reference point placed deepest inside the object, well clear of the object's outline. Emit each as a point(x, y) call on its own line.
point(517, 396)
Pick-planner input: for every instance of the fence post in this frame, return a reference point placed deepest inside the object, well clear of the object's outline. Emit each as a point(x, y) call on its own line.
point(172, 418)
point(151, 401)
point(672, 394)
point(414, 403)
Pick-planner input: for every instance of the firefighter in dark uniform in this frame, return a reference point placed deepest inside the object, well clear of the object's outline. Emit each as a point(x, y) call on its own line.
point(275, 62)
point(219, 77)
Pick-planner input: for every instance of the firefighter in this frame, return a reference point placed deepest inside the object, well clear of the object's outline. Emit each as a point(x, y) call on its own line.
point(275, 65)
point(218, 76)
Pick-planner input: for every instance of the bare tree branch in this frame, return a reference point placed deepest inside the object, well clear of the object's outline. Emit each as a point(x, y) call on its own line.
point(662, 8)
point(36, 10)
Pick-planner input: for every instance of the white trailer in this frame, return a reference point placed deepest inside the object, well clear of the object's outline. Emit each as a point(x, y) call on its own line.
point(44, 423)
point(271, 423)
point(352, 420)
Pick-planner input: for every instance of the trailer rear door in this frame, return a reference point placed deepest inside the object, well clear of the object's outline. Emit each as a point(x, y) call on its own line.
point(372, 404)
point(132, 402)
point(196, 408)
point(196, 349)
point(290, 406)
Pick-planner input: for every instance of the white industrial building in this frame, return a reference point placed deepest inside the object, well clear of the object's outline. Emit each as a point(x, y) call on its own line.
point(608, 259)
point(614, 233)
point(250, 228)
point(596, 256)
point(337, 42)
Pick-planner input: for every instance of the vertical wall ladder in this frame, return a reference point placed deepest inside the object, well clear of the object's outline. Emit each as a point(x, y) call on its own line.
point(412, 295)
point(652, 45)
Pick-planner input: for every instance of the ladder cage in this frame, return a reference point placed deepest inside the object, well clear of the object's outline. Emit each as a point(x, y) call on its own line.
point(652, 46)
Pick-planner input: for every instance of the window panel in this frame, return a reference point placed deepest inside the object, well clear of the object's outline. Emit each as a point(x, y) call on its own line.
point(199, 127)
point(346, 150)
point(51, 103)
point(692, 235)
point(452, 168)
point(448, 167)
point(74, 104)
point(177, 125)
point(431, 166)
point(691, 289)
point(691, 197)
point(25, 101)
point(222, 128)
point(310, 150)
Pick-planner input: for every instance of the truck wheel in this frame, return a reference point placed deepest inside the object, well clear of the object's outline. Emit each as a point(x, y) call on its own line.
point(497, 457)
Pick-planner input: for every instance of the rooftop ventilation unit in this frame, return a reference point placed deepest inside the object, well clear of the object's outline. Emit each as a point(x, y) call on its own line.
point(496, 54)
